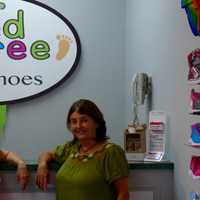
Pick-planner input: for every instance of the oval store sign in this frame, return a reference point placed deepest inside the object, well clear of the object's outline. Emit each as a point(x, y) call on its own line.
point(39, 49)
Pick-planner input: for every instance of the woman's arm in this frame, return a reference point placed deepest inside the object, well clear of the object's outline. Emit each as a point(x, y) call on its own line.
point(22, 172)
point(42, 170)
point(121, 187)
point(3, 155)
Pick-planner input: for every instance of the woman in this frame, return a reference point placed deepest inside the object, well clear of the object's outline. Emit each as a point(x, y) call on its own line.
point(22, 172)
point(92, 167)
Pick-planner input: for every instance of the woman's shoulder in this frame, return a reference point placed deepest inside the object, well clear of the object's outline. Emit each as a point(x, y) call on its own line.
point(115, 156)
point(113, 148)
point(70, 143)
point(62, 151)
point(66, 146)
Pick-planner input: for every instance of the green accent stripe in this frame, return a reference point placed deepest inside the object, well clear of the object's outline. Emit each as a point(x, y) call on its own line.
point(55, 166)
point(3, 117)
point(151, 165)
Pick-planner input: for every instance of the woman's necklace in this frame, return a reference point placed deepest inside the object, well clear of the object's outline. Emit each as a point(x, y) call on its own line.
point(87, 149)
point(85, 154)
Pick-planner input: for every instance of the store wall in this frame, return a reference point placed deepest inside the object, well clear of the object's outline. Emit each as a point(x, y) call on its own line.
point(118, 38)
point(158, 40)
point(40, 124)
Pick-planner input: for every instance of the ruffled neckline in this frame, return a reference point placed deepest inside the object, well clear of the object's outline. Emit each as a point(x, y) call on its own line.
point(86, 156)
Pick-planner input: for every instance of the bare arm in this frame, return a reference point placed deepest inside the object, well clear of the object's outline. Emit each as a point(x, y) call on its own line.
point(121, 187)
point(3, 155)
point(42, 170)
point(22, 172)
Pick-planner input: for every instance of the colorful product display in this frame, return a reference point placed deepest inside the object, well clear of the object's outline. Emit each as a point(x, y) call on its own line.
point(195, 167)
point(194, 66)
point(192, 8)
point(195, 135)
point(195, 102)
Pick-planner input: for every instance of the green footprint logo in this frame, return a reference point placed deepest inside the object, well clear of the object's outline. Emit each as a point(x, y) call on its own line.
point(63, 46)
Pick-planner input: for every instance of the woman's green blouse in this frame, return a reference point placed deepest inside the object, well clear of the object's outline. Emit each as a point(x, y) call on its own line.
point(90, 176)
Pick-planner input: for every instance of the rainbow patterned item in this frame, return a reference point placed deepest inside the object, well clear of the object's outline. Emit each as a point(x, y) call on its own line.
point(192, 8)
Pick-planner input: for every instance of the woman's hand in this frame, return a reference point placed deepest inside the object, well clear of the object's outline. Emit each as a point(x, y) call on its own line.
point(22, 175)
point(42, 176)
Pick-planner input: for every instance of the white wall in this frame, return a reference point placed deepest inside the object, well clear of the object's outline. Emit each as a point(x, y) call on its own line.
point(155, 39)
point(158, 40)
point(39, 124)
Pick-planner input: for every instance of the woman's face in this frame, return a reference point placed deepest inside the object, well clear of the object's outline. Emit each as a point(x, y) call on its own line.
point(82, 126)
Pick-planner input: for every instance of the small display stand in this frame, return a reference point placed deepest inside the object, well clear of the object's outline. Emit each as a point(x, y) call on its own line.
point(156, 136)
point(135, 142)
